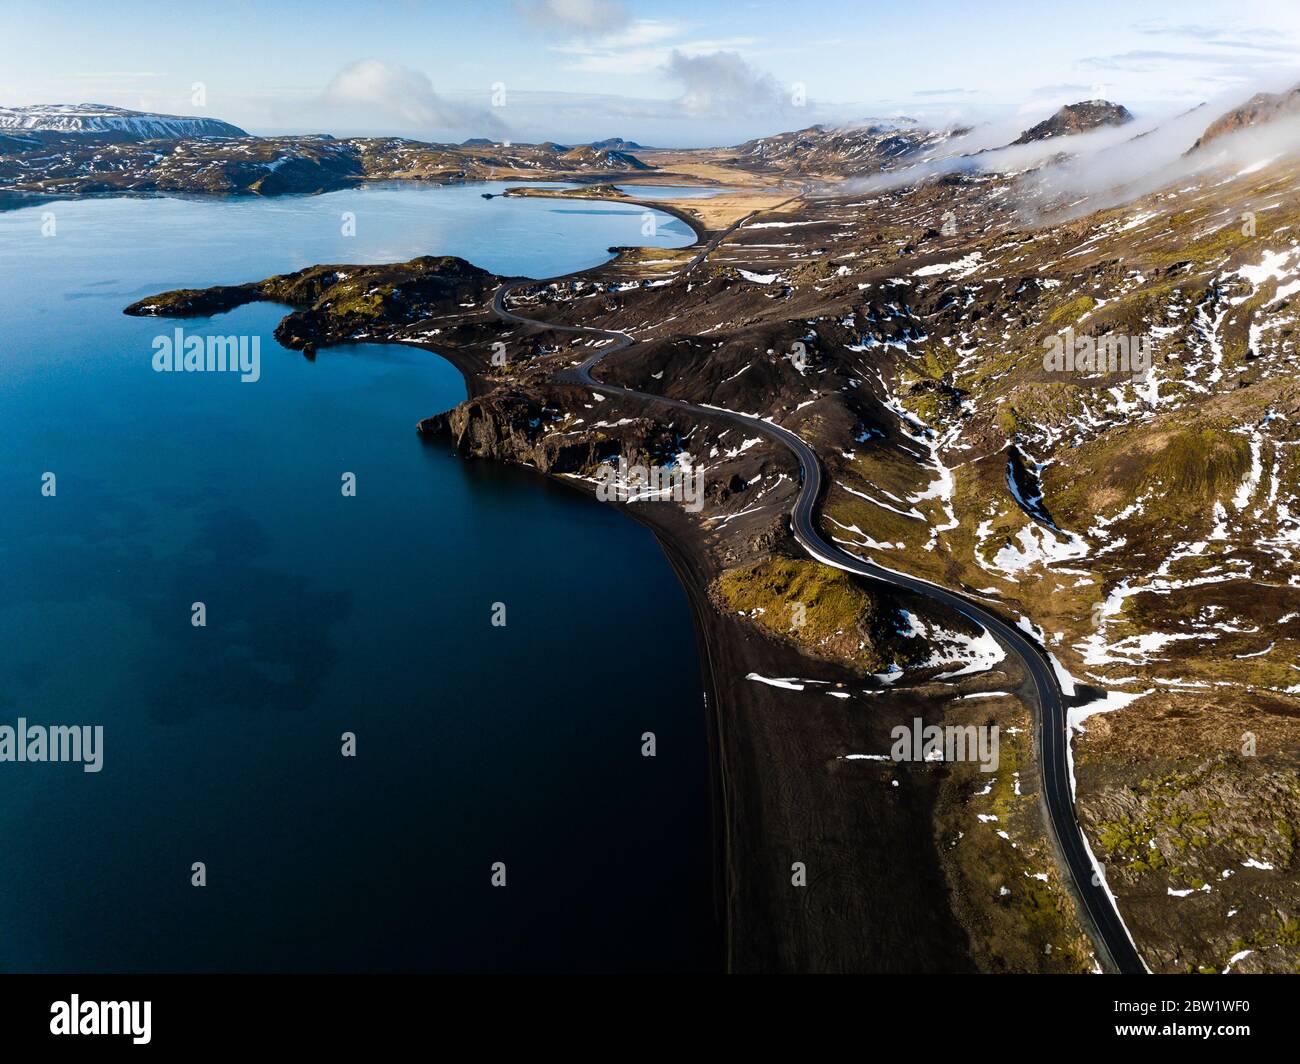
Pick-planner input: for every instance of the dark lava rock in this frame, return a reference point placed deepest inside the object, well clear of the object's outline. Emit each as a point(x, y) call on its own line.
point(1077, 118)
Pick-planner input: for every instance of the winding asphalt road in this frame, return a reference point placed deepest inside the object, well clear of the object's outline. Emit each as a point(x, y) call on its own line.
point(1114, 946)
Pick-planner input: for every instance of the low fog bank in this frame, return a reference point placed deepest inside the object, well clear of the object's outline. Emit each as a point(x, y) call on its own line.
point(1105, 167)
point(1163, 159)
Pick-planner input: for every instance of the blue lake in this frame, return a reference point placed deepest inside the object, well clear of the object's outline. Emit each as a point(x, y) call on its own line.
point(325, 614)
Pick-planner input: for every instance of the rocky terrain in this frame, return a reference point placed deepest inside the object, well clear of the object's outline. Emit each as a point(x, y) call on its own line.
point(1263, 107)
point(591, 157)
point(833, 153)
point(1074, 402)
point(1077, 118)
point(96, 150)
point(336, 304)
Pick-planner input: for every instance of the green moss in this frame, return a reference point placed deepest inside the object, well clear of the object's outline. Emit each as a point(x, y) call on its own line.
point(1007, 421)
point(815, 606)
point(1201, 462)
point(1180, 470)
point(1168, 812)
point(1205, 250)
point(361, 306)
point(1280, 931)
point(1070, 312)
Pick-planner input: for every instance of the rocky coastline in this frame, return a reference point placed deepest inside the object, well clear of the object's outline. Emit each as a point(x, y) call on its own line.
point(773, 813)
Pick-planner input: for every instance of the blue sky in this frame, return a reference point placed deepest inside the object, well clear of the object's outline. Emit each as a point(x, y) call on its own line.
point(685, 72)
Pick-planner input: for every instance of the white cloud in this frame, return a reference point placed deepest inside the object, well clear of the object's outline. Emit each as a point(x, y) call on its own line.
point(642, 32)
point(644, 47)
point(404, 95)
point(587, 16)
point(723, 83)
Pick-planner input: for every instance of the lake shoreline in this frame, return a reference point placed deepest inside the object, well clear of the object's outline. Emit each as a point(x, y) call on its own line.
point(768, 813)
point(332, 612)
point(773, 818)
point(750, 942)
point(689, 561)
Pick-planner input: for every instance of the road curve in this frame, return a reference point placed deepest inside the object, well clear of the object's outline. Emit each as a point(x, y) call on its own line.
point(1114, 946)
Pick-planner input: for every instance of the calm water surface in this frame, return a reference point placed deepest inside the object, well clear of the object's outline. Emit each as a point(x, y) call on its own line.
point(325, 614)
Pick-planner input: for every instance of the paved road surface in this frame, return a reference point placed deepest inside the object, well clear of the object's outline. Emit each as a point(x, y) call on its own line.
point(1115, 948)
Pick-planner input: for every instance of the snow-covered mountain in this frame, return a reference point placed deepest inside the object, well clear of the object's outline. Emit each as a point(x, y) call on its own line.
point(101, 118)
point(846, 151)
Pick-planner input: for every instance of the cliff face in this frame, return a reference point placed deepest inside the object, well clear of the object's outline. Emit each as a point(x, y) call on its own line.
point(1260, 108)
point(509, 425)
point(504, 426)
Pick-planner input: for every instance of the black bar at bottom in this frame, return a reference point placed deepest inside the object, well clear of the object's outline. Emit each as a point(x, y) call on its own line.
point(338, 1012)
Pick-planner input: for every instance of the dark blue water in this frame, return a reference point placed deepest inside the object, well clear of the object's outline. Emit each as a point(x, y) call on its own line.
point(325, 614)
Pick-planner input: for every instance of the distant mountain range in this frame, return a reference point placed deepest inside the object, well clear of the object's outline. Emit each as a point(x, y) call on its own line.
point(101, 118)
point(609, 144)
point(71, 149)
point(895, 146)
point(81, 149)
